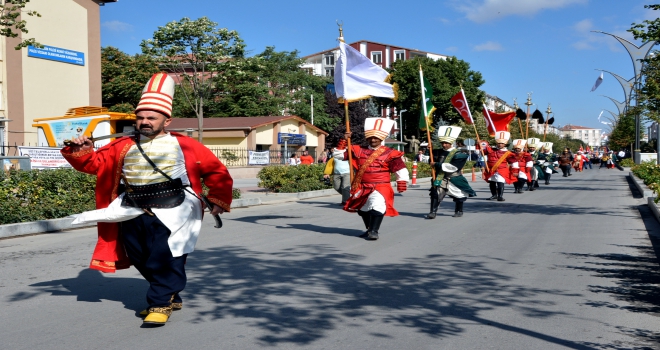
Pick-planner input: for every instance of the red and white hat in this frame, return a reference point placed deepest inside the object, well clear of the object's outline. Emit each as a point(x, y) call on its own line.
point(519, 143)
point(502, 136)
point(377, 127)
point(157, 95)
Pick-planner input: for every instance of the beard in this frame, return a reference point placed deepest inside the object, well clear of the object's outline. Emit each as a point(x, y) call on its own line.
point(148, 131)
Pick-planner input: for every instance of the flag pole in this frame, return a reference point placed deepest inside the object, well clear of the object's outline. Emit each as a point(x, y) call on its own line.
point(474, 124)
point(545, 130)
point(426, 120)
point(348, 141)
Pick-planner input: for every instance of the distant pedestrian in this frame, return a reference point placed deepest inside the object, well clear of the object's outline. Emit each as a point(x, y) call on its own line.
point(341, 176)
point(295, 159)
point(565, 163)
point(306, 159)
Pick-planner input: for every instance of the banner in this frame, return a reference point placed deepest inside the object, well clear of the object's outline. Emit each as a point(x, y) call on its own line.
point(258, 158)
point(44, 157)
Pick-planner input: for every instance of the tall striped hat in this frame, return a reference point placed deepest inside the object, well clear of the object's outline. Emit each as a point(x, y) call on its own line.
point(448, 133)
point(377, 127)
point(157, 95)
point(502, 136)
point(533, 142)
point(519, 143)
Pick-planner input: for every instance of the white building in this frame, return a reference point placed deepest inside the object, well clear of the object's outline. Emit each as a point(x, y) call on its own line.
point(589, 136)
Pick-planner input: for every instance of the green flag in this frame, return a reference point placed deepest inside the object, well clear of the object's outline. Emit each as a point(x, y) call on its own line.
point(427, 94)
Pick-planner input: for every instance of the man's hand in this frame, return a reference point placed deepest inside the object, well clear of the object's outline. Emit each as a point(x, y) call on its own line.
point(347, 135)
point(401, 186)
point(326, 176)
point(217, 210)
point(81, 143)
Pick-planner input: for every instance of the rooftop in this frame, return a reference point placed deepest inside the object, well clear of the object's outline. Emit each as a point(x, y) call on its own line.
point(242, 123)
point(373, 42)
point(569, 127)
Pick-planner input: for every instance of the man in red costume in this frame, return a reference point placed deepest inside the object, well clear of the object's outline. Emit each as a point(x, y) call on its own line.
point(497, 173)
point(521, 167)
point(153, 235)
point(372, 196)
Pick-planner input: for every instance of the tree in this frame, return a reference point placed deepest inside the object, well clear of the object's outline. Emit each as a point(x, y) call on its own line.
point(446, 77)
point(623, 133)
point(271, 83)
point(195, 51)
point(11, 25)
point(357, 113)
point(123, 78)
point(649, 93)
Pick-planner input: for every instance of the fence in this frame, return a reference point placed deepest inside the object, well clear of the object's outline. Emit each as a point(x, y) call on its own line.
point(239, 157)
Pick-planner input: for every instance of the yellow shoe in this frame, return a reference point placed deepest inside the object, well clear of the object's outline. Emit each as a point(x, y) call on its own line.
point(158, 315)
point(175, 307)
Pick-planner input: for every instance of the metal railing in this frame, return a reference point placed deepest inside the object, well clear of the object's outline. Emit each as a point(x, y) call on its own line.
point(239, 157)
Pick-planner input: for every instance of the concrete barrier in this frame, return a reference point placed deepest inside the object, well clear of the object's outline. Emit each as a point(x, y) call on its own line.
point(41, 226)
point(641, 187)
point(654, 208)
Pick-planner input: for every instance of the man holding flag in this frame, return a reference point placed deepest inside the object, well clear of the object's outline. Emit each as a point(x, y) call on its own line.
point(498, 164)
point(371, 196)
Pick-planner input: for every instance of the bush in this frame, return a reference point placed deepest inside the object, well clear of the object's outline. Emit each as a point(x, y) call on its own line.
point(292, 179)
point(44, 194)
point(235, 193)
point(649, 172)
point(627, 162)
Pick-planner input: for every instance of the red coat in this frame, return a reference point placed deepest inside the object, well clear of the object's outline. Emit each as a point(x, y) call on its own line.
point(107, 162)
point(494, 156)
point(376, 177)
point(522, 159)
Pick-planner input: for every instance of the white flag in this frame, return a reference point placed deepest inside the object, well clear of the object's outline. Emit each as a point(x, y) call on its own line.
point(598, 82)
point(357, 78)
point(601, 113)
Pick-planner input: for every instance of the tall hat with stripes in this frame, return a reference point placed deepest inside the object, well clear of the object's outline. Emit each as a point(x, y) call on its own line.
point(448, 133)
point(533, 142)
point(157, 95)
point(377, 127)
point(502, 136)
point(547, 146)
point(519, 143)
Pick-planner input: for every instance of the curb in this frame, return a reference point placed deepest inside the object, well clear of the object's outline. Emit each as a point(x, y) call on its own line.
point(641, 187)
point(654, 208)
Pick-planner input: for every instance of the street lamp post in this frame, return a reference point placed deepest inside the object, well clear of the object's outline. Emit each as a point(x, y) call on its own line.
point(285, 138)
point(401, 126)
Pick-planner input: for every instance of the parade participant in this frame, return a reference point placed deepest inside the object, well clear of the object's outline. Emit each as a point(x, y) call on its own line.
point(497, 164)
point(521, 167)
point(137, 224)
point(604, 160)
point(565, 160)
point(547, 160)
point(578, 161)
point(537, 171)
point(448, 164)
point(341, 176)
point(372, 196)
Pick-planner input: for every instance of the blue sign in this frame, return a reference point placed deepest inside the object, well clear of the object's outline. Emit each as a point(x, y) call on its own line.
point(294, 139)
point(57, 54)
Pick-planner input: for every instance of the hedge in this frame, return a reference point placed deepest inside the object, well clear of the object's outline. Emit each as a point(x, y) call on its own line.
point(649, 172)
point(30, 195)
point(292, 179)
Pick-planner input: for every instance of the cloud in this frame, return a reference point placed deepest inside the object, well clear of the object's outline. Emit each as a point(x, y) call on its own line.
point(117, 26)
point(452, 49)
point(590, 40)
point(442, 20)
point(489, 46)
point(481, 11)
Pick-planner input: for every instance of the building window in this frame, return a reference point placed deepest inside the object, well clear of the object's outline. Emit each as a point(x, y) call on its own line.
point(329, 60)
point(399, 55)
point(377, 57)
point(329, 72)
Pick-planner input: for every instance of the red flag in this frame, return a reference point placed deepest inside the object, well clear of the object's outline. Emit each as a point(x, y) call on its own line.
point(581, 149)
point(588, 149)
point(497, 121)
point(460, 103)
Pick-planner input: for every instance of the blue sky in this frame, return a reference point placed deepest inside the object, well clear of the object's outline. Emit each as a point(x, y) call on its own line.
point(520, 46)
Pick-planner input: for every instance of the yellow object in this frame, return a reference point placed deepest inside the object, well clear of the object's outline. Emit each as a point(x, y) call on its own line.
point(329, 167)
point(175, 307)
point(156, 318)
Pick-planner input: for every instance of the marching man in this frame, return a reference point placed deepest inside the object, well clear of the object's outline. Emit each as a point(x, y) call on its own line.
point(372, 196)
point(521, 167)
point(537, 172)
point(449, 180)
point(498, 164)
point(148, 195)
point(547, 160)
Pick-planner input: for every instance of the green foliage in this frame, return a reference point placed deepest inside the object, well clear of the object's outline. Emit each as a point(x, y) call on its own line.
point(649, 172)
point(196, 51)
point(446, 77)
point(10, 25)
point(627, 162)
point(44, 194)
point(623, 133)
point(292, 179)
point(649, 93)
point(123, 78)
point(235, 193)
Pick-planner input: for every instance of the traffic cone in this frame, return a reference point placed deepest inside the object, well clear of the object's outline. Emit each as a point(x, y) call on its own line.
point(474, 175)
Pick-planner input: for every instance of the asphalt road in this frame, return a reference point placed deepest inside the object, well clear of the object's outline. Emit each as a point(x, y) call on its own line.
point(571, 266)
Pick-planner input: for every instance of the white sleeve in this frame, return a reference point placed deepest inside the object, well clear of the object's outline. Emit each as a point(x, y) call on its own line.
point(449, 168)
point(338, 154)
point(529, 164)
point(402, 175)
point(515, 165)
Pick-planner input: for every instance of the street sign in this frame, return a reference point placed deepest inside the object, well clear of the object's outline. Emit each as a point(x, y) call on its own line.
point(294, 139)
point(469, 142)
